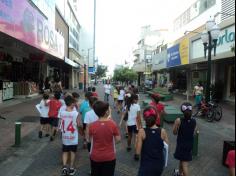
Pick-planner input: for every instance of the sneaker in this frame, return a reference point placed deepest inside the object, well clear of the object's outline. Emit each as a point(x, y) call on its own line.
point(40, 134)
point(129, 149)
point(64, 171)
point(176, 172)
point(51, 138)
point(72, 171)
point(136, 157)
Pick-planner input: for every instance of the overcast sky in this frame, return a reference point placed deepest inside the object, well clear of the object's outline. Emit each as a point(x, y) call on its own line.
point(119, 23)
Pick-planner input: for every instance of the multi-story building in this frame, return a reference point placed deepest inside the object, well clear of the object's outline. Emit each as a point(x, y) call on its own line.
point(184, 59)
point(30, 47)
point(68, 10)
point(144, 52)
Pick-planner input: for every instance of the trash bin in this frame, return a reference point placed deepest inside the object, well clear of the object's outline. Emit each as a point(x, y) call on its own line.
point(81, 86)
point(228, 145)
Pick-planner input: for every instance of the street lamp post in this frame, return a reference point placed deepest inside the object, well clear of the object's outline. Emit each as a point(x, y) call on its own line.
point(209, 39)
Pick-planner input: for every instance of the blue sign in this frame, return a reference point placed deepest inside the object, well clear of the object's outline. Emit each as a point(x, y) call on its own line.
point(91, 70)
point(173, 56)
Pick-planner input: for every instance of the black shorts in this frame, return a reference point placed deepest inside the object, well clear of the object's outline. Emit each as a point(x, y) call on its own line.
point(132, 129)
point(44, 121)
point(54, 121)
point(120, 101)
point(84, 126)
point(69, 148)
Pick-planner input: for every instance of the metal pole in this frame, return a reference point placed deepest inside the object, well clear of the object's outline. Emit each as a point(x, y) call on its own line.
point(94, 31)
point(209, 68)
point(85, 77)
point(17, 134)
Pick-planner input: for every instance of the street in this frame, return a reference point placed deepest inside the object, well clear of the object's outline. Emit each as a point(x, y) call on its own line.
point(39, 157)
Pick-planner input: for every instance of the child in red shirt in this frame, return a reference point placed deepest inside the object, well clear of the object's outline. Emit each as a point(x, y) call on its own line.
point(54, 107)
point(94, 92)
point(160, 108)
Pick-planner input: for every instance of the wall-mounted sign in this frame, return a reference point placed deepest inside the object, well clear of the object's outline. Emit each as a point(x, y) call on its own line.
point(25, 23)
point(178, 54)
point(225, 41)
point(91, 70)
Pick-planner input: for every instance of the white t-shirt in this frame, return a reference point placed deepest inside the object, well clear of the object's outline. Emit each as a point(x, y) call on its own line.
point(122, 95)
point(133, 114)
point(90, 117)
point(198, 90)
point(44, 109)
point(107, 89)
point(69, 128)
point(63, 108)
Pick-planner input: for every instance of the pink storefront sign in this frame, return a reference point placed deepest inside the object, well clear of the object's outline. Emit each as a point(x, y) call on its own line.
point(21, 21)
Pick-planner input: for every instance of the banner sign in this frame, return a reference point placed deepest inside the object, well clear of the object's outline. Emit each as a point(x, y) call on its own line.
point(23, 22)
point(173, 56)
point(178, 54)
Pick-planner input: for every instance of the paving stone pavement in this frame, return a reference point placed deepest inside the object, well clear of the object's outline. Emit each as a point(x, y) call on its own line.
point(43, 158)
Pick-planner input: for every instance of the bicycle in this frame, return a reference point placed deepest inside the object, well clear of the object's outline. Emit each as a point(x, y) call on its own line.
point(211, 110)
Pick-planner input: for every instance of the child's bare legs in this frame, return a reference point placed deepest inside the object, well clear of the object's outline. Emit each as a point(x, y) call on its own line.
point(129, 141)
point(183, 168)
point(231, 171)
point(72, 159)
point(65, 158)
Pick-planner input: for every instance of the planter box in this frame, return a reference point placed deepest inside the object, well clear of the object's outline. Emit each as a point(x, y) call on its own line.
point(172, 114)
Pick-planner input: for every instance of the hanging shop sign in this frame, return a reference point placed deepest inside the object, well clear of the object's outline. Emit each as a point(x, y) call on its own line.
point(25, 23)
point(178, 54)
point(91, 70)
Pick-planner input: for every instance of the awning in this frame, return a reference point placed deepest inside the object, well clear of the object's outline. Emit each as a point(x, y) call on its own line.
point(72, 63)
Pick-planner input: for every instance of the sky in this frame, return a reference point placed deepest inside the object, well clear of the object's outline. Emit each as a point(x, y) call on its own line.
point(119, 22)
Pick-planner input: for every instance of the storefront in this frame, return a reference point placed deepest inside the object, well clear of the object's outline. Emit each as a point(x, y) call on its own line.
point(223, 64)
point(159, 68)
point(27, 41)
point(178, 65)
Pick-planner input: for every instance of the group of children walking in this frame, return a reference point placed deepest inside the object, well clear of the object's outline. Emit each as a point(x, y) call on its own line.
point(92, 119)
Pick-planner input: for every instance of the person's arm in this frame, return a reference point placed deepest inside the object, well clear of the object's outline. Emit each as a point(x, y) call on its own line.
point(176, 126)
point(116, 133)
point(139, 123)
point(164, 136)
point(141, 137)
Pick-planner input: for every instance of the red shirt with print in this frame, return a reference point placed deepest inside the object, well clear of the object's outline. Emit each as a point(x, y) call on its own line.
point(95, 94)
point(54, 107)
point(102, 135)
point(160, 109)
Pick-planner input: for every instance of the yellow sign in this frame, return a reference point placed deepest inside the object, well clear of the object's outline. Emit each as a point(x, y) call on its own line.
point(184, 51)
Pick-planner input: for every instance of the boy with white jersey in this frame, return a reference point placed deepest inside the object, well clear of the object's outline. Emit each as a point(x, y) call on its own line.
point(90, 117)
point(44, 120)
point(69, 123)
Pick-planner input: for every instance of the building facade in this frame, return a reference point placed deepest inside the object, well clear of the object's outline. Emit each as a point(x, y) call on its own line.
point(29, 45)
point(185, 64)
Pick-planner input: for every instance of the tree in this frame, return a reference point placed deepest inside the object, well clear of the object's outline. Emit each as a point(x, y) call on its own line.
point(125, 75)
point(101, 71)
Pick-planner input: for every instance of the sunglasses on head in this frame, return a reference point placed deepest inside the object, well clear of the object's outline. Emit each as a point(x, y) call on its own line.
point(184, 108)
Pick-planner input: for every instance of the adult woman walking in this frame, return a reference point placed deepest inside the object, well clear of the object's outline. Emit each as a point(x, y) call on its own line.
point(103, 134)
point(198, 93)
point(151, 145)
point(184, 129)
